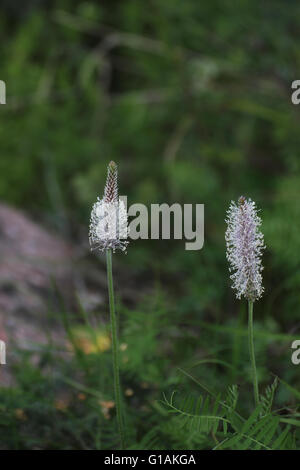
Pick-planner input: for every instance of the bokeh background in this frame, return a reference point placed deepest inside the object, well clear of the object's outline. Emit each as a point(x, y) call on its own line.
point(193, 101)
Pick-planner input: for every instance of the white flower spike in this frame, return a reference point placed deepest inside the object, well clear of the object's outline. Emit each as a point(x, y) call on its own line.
point(108, 225)
point(245, 243)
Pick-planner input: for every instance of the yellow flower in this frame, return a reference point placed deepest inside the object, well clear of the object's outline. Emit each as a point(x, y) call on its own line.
point(20, 414)
point(106, 406)
point(90, 342)
point(61, 404)
point(81, 396)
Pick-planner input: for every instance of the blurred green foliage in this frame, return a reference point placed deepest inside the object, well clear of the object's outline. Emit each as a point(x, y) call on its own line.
point(192, 100)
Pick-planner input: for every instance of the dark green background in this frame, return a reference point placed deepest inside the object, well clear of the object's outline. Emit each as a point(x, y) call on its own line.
point(192, 99)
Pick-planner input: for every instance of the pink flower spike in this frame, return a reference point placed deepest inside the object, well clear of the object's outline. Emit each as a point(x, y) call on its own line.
point(245, 243)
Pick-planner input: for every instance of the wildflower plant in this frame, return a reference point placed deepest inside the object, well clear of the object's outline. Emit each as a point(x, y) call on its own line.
point(108, 232)
point(216, 416)
point(108, 226)
point(245, 243)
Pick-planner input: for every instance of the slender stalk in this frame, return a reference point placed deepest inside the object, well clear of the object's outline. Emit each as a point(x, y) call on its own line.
point(251, 351)
point(115, 347)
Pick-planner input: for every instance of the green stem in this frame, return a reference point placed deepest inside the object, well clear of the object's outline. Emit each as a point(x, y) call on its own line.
point(251, 351)
point(115, 347)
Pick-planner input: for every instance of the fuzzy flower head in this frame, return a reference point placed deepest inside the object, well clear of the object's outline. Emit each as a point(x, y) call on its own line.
point(108, 225)
point(245, 243)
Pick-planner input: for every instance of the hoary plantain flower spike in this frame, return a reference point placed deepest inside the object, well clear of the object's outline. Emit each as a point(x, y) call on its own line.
point(245, 243)
point(108, 224)
point(111, 186)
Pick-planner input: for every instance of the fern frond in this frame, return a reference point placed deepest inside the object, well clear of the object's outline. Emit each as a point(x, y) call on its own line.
point(149, 441)
point(257, 433)
point(202, 415)
point(232, 397)
point(268, 397)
